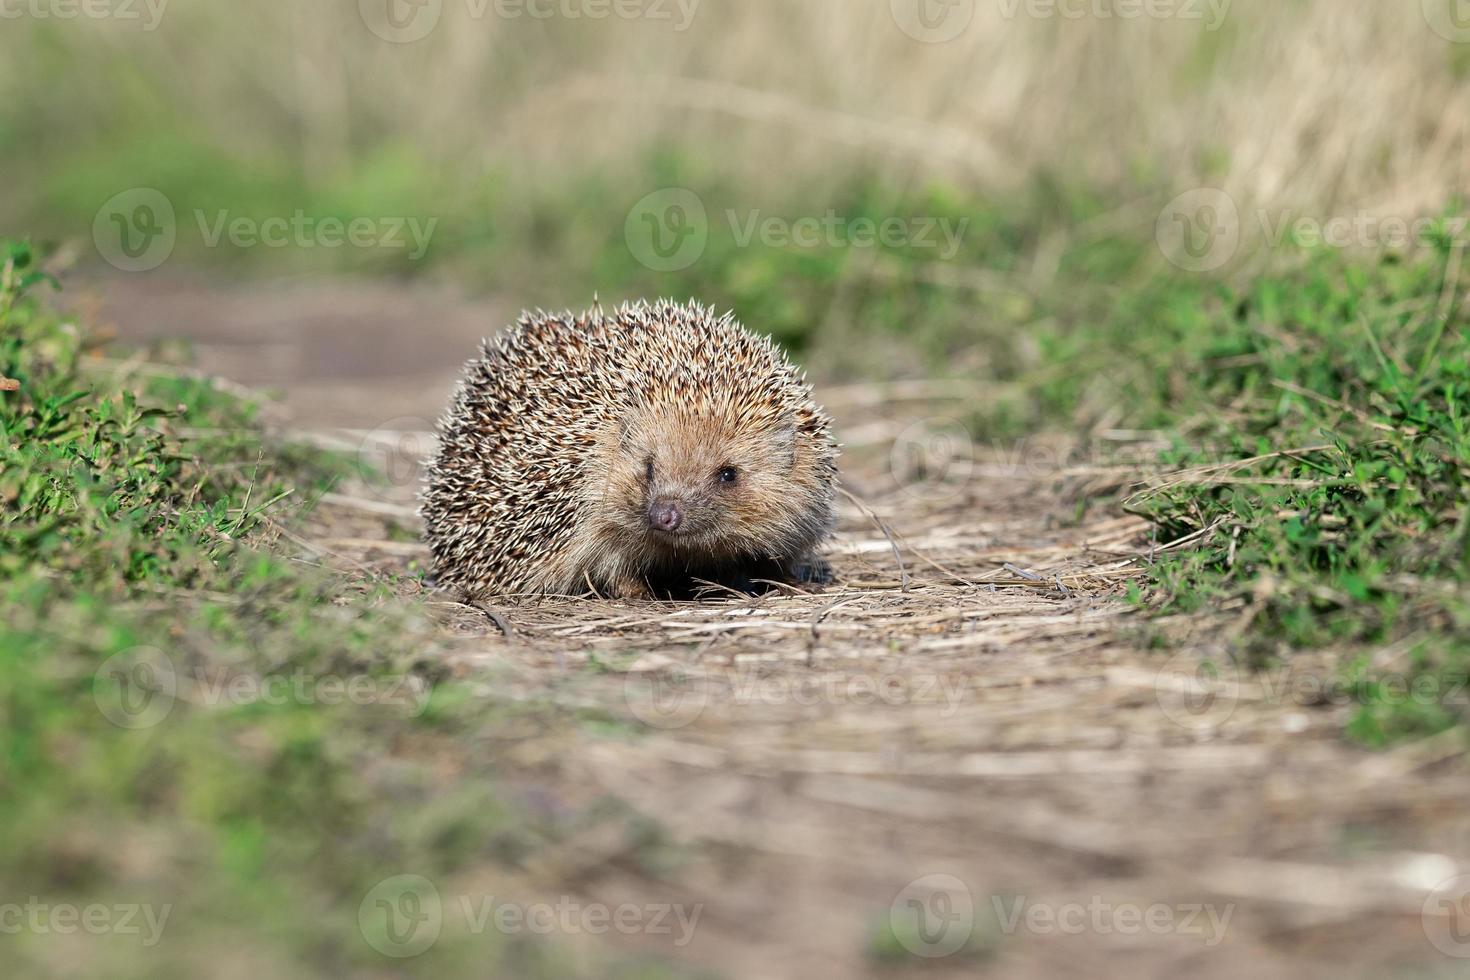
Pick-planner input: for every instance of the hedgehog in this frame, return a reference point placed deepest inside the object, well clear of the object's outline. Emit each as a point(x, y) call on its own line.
point(646, 453)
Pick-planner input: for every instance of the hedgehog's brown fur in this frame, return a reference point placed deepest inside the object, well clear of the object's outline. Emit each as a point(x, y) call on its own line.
point(541, 483)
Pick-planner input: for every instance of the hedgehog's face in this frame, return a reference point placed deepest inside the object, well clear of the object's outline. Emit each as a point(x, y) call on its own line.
point(698, 484)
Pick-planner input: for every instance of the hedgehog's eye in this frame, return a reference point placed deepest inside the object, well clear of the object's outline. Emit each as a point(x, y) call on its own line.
point(648, 468)
point(728, 475)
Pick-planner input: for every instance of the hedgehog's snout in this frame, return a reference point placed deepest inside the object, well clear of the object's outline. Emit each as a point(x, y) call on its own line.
point(665, 514)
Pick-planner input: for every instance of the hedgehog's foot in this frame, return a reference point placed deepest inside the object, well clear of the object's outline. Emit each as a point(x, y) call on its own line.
point(628, 587)
point(811, 572)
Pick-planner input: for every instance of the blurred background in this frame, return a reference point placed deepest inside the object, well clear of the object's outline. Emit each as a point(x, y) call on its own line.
point(530, 142)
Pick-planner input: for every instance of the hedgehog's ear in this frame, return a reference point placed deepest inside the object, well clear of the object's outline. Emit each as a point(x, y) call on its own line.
point(783, 438)
point(630, 427)
point(633, 426)
point(615, 435)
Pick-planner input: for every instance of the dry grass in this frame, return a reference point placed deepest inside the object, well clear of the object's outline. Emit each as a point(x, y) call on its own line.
point(1024, 744)
point(1281, 105)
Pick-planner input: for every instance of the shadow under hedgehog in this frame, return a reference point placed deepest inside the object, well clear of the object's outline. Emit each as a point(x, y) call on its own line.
point(632, 454)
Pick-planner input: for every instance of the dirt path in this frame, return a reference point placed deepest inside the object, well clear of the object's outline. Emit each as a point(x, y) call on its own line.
point(958, 760)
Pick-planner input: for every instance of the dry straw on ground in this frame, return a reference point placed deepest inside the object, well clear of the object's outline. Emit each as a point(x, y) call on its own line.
point(969, 698)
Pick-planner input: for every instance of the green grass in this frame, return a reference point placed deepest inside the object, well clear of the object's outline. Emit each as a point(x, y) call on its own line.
point(1352, 532)
point(555, 246)
point(142, 576)
point(1327, 400)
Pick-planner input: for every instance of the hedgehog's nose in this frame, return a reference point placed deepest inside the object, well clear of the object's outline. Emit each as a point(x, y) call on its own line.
point(666, 515)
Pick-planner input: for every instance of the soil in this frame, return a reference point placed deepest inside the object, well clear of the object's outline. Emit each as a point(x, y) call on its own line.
point(964, 758)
